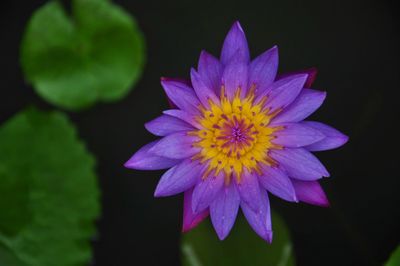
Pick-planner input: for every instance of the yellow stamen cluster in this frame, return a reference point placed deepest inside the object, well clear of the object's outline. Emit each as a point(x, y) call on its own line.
point(235, 135)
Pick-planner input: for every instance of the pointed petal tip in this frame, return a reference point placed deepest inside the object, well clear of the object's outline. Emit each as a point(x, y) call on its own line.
point(268, 236)
point(326, 173)
point(193, 72)
point(320, 94)
point(345, 139)
point(322, 202)
point(134, 164)
point(193, 221)
point(127, 164)
point(311, 192)
point(274, 49)
point(334, 138)
point(186, 227)
point(312, 75)
point(237, 24)
point(222, 232)
point(296, 135)
point(158, 192)
point(143, 159)
point(235, 41)
point(295, 199)
point(303, 76)
point(147, 126)
point(163, 80)
point(323, 95)
point(222, 235)
point(312, 71)
point(271, 52)
point(300, 164)
point(327, 204)
point(203, 53)
point(190, 219)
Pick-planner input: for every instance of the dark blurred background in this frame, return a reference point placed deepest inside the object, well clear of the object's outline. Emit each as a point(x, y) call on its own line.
point(355, 46)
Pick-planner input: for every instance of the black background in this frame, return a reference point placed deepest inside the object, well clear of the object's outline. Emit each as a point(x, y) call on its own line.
point(355, 46)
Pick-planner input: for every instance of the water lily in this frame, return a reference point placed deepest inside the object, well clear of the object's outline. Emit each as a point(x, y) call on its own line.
point(235, 135)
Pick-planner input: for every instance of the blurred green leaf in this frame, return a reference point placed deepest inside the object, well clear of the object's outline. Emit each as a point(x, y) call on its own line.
point(15, 191)
point(394, 259)
point(49, 192)
point(97, 54)
point(201, 247)
point(8, 259)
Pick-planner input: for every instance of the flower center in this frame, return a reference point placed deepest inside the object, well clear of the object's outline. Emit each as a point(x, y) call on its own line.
point(235, 135)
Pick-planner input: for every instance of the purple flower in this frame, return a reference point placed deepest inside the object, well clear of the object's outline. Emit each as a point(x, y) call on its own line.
point(236, 134)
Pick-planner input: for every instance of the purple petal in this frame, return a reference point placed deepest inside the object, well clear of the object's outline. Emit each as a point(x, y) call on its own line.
point(203, 92)
point(283, 92)
point(235, 77)
point(191, 219)
point(296, 135)
point(278, 183)
point(179, 80)
point(143, 160)
point(181, 95)
point(185, 116)
point(262, 71)
point(176, 146)
point(300, 163)
point(249, 190)
point(235, 41)
point(224, 209)
point(179, 178)
point(166, 124)
point(305, 104)
point(184, 81)
point(310, 192)
point(206, 191)
point(311, 72)
point(260, 220)
point(333, 138)
point(210, 70)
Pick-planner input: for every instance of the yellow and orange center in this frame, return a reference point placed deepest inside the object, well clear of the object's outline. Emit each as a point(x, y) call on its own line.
point(235, 135)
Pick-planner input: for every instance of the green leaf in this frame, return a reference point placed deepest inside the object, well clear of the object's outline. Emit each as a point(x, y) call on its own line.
point(394, 259)
point(97, 54)
point(201, 247)
point(49, 192)
point(8, 259)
